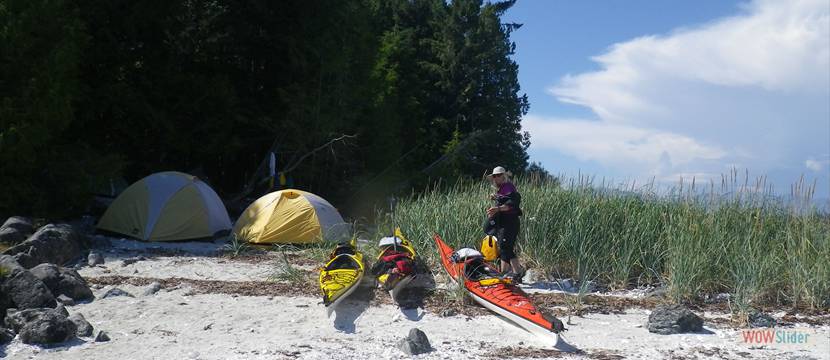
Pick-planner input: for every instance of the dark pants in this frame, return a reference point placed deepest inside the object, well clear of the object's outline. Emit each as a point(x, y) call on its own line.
point(507, 229)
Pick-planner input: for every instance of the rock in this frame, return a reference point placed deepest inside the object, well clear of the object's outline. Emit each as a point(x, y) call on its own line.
point(116, 292)
point(657, 292)
point(41, 326)
point(102, 337)
point(63, 281)
point(132, 260)
point(758, 319)
point(11, 236)
point(94, 258)
point(152, 289)
point(533, 276)
point(567, 285)
point(84, 328)
point(416, 343)
point(15, 230)
point(56, 244)
point(62, 310)
point(19, 223)
point(5, 304)
point(673, 319)
point(48, 273)
point(8, 263)
point(26, 291)
point(448, 312)
point(6, 336)
point(66, 300)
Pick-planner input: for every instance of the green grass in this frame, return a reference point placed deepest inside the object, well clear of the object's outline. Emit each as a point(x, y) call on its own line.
point(284, 271)
point(738, 237)
point(237, 245)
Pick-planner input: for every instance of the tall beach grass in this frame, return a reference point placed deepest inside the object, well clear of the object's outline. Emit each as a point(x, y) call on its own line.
point(736, 237)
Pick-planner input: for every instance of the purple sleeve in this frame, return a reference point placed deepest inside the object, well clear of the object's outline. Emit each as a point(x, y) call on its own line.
point(507, 189)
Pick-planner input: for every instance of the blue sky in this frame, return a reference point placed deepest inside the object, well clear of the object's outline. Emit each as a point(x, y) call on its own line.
point(658, 89)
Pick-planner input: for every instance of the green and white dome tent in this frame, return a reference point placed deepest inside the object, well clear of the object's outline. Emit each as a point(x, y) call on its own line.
point(167, 206)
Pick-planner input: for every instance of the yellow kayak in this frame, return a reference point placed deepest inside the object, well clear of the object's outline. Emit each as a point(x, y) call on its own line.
point(341, 275)
point(394, 248)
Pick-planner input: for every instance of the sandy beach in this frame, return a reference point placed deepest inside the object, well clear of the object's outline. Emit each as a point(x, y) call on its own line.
point(217, 307)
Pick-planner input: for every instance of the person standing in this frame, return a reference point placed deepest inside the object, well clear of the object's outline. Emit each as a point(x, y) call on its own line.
point(503, 219)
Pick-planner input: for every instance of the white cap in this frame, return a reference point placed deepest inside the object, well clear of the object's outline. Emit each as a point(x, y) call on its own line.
point(498, 170)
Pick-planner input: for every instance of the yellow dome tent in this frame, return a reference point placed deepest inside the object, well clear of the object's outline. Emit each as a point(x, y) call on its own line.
point(290, 217)
point(167, 206)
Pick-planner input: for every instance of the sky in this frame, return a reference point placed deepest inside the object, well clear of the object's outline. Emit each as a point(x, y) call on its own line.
point(637, 90)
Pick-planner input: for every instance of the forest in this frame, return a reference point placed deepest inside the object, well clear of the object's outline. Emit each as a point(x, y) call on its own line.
point(358, 100)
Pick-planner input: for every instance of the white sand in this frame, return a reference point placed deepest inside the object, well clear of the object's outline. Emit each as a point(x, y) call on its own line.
point(174, 325)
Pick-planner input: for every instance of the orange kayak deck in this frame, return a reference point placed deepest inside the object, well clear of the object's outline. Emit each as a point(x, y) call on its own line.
point(503, 296)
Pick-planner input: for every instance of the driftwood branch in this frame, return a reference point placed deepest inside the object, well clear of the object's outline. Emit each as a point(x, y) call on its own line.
point(321, 147)
point(255, 179)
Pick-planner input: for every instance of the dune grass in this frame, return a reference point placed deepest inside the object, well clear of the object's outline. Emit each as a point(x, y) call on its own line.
point(738, 237)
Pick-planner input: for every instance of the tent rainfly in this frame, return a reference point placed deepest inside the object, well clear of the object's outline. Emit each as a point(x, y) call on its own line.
point(290, 217)
point(167, 206)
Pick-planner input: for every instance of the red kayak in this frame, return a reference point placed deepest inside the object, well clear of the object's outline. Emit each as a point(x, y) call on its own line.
point(482, 281)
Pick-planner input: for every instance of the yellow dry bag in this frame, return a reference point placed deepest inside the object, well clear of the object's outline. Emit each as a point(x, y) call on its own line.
point(490, 248)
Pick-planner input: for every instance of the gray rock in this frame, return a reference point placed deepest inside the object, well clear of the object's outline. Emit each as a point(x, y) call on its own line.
point(567, 285)
point(63, 281)
point(657, 292)
point(102, 337)
point(132, 260)
point(62, 310)
point(49, 274)
point(533, 276)
point(84, 328)
point(56, 244)
point(673, 319)
point(19, 223)
point(448, 312)
point(416, 343)
point(152, 289)
point(116, 292)
point(11, 236)
point(5, 304)
point(27, 291)
point(10, 264)
point(66, 300)
point(94, 258)
point(6, 336)
point(41, 326)
point(758, 319)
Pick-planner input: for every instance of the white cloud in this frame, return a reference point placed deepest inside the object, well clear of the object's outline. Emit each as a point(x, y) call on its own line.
point(817, 164)
point(752, 90)
point(649, 151)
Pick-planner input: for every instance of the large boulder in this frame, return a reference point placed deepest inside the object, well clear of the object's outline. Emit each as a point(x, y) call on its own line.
point(8, 268)
point(19, 223)
point(26, 291)
point(11, 236)
point(41, 326)
point(56, 244)
point(15, 230)
point(6, 336)
point(9, 265)
point(673, 319)
point(63, 281)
